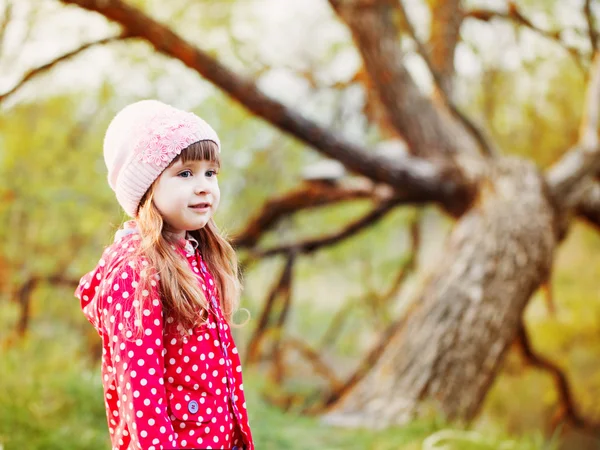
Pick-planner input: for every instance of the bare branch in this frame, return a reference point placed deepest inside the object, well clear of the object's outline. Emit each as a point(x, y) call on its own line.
point(442, 181)
point(366, 364)
point(593, 33)
point(24, 297)
point(316, 361)
point(442, 83)
point(280, 288)
point(49, 65)
point(516, 16)
point(311, 245)
point(567, 408)
point(309, 195)
point(446, 19)
point(566, 176)
point(382, 299)
point(422, 125)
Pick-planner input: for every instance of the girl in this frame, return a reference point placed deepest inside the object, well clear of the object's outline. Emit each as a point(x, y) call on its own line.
point(162, 295)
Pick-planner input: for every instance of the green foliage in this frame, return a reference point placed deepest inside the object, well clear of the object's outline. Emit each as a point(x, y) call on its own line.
point(49, 397)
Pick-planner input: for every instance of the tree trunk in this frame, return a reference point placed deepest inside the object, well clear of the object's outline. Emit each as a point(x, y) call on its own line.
point(450, 349)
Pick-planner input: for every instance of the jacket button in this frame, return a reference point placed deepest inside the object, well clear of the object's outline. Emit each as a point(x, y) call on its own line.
point(193, 406)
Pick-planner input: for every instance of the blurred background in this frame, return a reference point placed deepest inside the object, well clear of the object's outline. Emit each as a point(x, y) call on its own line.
point(318, 313)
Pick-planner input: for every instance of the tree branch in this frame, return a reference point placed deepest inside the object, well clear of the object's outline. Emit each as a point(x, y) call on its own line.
point(443, 78)
point(316, 361)
point(566, 176)
point(446, 19)
point(442, 181)
point(23, 296)
point(567, 404)
point(364, 367)
point(416, 118)
point(312, 245)
point(516, 16)
point(281, 288)
point(382, 299)
point(308, 195)
point(49, 65)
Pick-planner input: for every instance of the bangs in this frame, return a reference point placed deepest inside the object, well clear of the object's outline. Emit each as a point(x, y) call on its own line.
point(201, 151)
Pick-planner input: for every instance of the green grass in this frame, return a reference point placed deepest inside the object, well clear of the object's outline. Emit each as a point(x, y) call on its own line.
point(51, 398)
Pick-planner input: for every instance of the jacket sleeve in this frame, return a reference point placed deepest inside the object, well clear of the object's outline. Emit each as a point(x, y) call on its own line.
point(137, 358)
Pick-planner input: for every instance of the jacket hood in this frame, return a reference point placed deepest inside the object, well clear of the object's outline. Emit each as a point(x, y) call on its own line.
point(93, 285)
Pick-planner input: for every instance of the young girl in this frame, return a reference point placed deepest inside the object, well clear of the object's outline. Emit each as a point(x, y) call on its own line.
point(162, 295)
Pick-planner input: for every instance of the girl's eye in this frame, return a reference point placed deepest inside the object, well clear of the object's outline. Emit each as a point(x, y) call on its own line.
point(211, 173)
point(185, 174)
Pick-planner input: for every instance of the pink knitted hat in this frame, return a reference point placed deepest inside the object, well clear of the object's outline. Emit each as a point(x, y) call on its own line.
point(142, 140)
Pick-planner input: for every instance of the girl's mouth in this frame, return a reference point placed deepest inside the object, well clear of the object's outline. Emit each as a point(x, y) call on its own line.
point(200, 206)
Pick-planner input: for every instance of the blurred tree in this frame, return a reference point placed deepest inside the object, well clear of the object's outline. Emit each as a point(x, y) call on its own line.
point(510, 216)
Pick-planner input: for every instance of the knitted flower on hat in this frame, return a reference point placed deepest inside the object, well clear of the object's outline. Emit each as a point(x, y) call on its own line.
point(142, 140)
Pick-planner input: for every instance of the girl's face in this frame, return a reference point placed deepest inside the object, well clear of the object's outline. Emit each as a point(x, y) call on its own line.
point(187, 195)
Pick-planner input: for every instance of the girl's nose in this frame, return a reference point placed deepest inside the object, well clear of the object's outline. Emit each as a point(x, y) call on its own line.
point(200, 188)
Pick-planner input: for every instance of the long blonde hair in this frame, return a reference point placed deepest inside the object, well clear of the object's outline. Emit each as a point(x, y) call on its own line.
point(182, 297)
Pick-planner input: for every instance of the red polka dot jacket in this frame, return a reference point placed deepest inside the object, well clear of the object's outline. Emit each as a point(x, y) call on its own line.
point(163, 388)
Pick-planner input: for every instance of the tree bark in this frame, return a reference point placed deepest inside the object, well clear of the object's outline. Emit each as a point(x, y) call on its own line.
point(449, 351)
